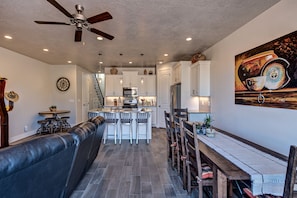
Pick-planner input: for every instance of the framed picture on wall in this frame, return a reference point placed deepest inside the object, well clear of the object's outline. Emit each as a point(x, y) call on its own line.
point(267, 75)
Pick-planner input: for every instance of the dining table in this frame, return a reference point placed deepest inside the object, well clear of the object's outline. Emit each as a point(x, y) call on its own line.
point(236, 160)
point(55, 123)
point(54, 113)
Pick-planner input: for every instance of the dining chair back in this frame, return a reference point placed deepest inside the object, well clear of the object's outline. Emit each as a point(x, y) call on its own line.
point(290, 189)
point(181, 112)
point(171, 140)
point(199, 175)
point(181, 150)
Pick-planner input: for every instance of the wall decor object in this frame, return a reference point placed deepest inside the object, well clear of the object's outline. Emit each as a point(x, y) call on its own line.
point(267, 75)
point(63, 84)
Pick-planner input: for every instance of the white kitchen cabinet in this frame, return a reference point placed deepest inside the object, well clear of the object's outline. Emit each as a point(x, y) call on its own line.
point(130, 78)
point(176, 77)
point(200, 78)
point(146, 85)
point(113, 85)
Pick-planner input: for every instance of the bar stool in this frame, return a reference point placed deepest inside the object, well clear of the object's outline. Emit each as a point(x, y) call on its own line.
point(42, 128)
point(110, 120)
point(63, 124)
point(51, 124)
point(142, 119)
point(126, 119)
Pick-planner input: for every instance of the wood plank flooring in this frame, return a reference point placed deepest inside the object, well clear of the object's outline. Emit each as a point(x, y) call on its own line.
point(132, 171)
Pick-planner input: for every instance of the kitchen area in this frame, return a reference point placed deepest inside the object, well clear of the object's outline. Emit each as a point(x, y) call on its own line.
point(185, 85)
point(130, 90)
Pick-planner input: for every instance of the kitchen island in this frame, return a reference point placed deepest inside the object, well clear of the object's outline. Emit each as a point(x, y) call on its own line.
point(125, 132)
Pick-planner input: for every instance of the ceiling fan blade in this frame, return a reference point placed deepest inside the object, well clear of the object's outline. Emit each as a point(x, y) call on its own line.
point(59, 7)
point(78, 34)
point(101, 33)
point(100, 17)
point(51, 22)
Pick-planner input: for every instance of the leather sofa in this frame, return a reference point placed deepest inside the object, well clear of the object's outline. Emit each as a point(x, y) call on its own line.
point(50, 165)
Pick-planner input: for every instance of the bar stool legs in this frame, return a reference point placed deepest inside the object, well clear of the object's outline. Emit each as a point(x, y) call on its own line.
point(126, 119)
point(142, 119)
point(110, 120)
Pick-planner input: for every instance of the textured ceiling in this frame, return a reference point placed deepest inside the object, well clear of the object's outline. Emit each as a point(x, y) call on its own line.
point(149, 27)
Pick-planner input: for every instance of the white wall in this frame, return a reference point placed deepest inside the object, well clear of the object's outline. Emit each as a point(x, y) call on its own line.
point(30, 79)
point(274, 128)
point(35, 82)
point(64, 100)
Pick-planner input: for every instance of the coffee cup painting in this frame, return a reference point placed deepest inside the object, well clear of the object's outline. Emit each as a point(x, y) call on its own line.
point(267, 75)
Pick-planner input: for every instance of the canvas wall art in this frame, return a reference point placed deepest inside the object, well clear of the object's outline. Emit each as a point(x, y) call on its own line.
point(267, 75)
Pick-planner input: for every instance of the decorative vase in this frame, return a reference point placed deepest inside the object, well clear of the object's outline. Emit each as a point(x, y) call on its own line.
point(3, 116)
point(198, 57)
point(113, 70)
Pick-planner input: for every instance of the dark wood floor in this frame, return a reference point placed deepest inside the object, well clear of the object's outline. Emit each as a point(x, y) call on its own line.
point(132, 171)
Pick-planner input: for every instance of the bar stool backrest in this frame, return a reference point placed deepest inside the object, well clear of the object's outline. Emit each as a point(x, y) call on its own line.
point(126, 117)
point(142, 117)
point(110, 117)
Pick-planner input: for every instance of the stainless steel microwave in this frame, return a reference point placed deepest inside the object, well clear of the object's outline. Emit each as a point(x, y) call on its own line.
point(130, 92)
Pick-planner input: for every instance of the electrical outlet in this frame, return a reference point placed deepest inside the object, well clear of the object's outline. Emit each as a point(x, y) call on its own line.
point(25, 128)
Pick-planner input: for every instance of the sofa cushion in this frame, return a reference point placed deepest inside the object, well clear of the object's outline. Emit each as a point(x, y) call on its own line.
point(36, 168)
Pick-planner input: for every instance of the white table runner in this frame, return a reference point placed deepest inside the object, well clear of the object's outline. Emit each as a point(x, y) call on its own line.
point(267, 172)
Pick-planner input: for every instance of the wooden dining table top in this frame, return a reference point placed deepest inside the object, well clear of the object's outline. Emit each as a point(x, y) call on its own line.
point(56, 112)
point(239, 161)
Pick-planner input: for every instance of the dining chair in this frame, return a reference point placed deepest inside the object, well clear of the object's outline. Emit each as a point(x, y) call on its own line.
point(181, 112)
point(171, 141)
point(142, 119)
point(126, 120)
point(110, 120)
point(290, 187)
point(181, 150)
point(199, 174)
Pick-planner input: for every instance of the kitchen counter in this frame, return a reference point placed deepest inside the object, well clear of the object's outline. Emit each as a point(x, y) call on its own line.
point(197, 116)
point(125, 132)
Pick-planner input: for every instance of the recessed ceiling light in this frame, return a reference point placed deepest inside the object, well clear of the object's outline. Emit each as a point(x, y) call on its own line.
point(100, 62)
point(188, 39)
point(45, 50)
point(165, 54)
point(99, 38)
point(160, 62)
point(7, 37)
point(130, 62)
point(69, 61)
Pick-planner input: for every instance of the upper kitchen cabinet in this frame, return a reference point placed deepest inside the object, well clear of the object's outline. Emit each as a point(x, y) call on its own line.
point(113, 85)
point(176, 77)
point(130, 78)
point(147, 85)
point(200, 78)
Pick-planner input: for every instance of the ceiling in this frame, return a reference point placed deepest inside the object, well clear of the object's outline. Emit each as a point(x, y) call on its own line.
point(148, 27)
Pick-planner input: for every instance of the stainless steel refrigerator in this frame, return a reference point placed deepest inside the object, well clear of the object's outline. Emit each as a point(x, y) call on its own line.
point(175, 97)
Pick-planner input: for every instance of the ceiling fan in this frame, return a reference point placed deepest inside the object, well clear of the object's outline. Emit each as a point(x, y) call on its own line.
point(80, 21)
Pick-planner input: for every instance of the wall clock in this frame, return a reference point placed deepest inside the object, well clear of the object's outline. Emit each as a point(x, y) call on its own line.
point(63, 84)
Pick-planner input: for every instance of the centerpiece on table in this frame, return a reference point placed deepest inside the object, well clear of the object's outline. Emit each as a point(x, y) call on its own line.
point(209, 132)
point(53, 108)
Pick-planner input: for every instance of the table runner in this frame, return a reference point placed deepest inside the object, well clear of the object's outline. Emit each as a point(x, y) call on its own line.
point(267, 172)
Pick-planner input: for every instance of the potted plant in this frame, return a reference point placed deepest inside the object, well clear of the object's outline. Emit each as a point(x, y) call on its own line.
point(53, 108)
point(208, 128)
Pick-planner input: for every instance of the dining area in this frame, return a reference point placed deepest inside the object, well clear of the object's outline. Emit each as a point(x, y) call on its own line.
point(54, 121)
point(225, 165)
